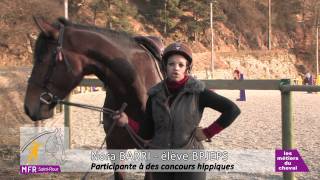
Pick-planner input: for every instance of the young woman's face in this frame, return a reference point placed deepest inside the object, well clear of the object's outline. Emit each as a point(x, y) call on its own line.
point(176, 67)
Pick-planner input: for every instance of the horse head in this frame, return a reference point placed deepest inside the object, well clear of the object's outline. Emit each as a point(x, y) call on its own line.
point(66, 52)
point(55, 72)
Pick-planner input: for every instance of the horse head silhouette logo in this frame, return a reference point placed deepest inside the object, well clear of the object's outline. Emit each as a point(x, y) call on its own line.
point(51, 141)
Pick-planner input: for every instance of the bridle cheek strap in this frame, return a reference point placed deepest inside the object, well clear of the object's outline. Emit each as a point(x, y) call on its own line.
point(60, 56)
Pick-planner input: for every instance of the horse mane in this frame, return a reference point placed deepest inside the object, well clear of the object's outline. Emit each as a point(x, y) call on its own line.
point(117, 36)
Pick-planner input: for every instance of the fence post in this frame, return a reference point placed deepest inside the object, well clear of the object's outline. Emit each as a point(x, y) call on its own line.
point(67, 123)
point(287, 123)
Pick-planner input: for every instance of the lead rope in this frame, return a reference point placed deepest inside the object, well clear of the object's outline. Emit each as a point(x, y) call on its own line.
point(136, 138)
point(99, 109)
point(122, 108)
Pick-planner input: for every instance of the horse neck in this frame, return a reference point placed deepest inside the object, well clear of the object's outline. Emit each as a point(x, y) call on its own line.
point(106, 59)
point(88, 45)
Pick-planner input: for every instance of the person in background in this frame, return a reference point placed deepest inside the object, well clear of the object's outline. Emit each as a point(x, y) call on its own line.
point(174, 110)
point(236, 74)
point(239, 76)
point(308, 80)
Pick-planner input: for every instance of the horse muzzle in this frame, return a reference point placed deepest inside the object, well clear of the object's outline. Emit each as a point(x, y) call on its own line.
point(40, 113)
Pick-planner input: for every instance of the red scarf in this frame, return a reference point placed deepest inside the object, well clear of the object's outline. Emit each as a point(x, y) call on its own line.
point(174, 86)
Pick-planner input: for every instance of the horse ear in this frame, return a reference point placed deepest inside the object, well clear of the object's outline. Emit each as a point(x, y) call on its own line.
point(46, 27)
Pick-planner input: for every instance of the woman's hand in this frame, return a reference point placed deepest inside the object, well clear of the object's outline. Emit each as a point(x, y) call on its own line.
point(199, 135)
point(121, 118)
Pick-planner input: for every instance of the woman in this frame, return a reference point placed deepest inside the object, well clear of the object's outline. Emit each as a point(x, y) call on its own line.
point(174, 110)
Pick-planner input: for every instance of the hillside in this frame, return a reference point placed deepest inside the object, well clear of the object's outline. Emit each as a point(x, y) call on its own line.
point(240, 27)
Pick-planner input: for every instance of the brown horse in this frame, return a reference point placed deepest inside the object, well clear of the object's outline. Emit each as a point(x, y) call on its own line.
point(66, 52)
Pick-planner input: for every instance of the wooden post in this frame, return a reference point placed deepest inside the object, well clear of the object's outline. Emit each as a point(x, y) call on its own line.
point(211, 27)
point(66, 9)
point(269, 26)
point(67, 110)
point(55, 110)
point(287, 123)
point(317, 49)
point(165, 17)
point(317, 40)
point(67, 123)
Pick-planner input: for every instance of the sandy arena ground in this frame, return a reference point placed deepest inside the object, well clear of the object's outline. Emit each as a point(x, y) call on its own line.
point(258, 127)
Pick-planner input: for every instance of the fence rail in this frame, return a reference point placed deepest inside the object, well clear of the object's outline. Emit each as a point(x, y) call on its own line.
point(283, 85)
